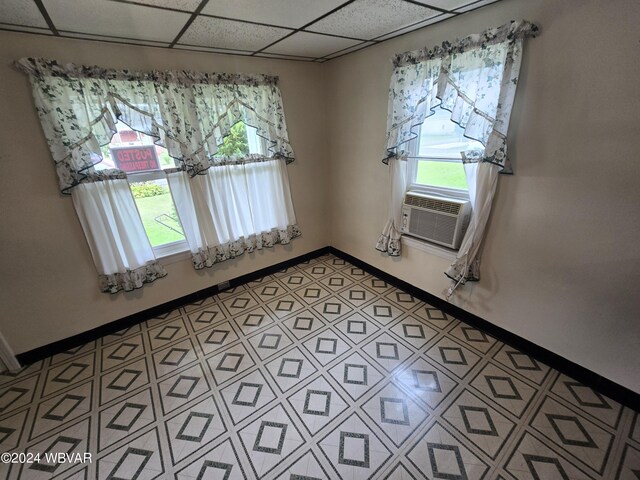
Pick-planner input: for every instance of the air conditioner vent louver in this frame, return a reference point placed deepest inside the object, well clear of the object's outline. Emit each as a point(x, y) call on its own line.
point(436, 219)
point(429, 203)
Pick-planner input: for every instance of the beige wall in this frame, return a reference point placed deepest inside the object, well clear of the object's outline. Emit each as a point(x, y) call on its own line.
point(561, 263)
point(49, 288)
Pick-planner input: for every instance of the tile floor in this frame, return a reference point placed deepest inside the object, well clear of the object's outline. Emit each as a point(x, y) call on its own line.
point(317, 372)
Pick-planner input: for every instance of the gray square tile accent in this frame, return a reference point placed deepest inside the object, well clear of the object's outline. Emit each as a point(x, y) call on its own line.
point(355, 374)
point(230, 362)
point(180, 384)
point(241, 393)
point(195, 438)
point(285, 367)
point(258, 447)
point(395, 421)
point(326, 345)
point(317, 393)
point(211, 465)
point(346, 460)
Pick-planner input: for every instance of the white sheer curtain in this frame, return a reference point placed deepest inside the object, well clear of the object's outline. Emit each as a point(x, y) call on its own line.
point(482, 180)
point(476, 81)
point(227, 204)
point(389, 240)
point(119, 245)
point(234, 208)
point(412, 96)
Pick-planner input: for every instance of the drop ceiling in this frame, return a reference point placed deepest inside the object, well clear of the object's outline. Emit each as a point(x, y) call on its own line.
point(306, 30)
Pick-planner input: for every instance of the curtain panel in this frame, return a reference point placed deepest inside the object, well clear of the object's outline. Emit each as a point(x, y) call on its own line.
point(119, 245)
point(233, 209)
point(474, 79)
point(189, 113)
point(226, 205)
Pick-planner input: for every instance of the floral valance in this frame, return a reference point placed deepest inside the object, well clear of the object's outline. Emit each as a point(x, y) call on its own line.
point(474, 78)
point(189, 113)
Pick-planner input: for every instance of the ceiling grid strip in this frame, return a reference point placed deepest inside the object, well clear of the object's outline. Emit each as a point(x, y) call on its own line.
point(332, 50)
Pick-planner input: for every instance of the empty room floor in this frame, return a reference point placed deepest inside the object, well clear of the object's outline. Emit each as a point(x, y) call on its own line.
point(320, 371)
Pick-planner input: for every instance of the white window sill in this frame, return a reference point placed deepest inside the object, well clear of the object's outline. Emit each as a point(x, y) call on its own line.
point(172, 252)
point(433, 249)
point(175, 257)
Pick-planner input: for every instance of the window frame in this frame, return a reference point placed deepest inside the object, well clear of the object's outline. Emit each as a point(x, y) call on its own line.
point(427, 189)
point(166, 249)
point(254, 141)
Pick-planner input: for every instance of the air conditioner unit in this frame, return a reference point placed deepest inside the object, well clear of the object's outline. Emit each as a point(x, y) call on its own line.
point(436, 219)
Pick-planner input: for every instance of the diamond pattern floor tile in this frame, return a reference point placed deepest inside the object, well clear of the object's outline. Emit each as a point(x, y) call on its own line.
point(290, 368)
point(414, 332)
point(269, 440)
point(479, 423)
point(194, 428)
point(534, 460)
point(141, 457)
point(453, 356)
point(440, 454)
point(354, 450)
point(594, 404)
point(426, 381)
point(505, 389)
point(317, 404)
point(318, 371)
point(306, 467)
point(395, 412)
point(581, 438)
point(220, 462)
point(246, 396)
point(125, 418)
point(303, 324)
point(356, 375)
point(62, 408)
point(522, 364)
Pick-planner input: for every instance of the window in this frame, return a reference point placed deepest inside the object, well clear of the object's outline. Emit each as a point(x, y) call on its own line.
point(435, 166)
point(145, 162)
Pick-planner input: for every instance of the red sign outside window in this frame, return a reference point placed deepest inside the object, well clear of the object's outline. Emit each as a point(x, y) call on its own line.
point(139, 158)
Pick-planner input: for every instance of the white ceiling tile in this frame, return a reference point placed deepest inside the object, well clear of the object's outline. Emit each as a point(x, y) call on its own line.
point(115, 19)
point(411, 28)
point(474, 5)
point(368, 19)
point(311, 45)
point(447, 4)
point(21, 12)
point(286, 13)
point(188, 5)
point(215, 32)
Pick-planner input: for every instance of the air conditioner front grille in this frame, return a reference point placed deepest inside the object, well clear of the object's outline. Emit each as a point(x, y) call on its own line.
point(429, 203)
point(436, 227)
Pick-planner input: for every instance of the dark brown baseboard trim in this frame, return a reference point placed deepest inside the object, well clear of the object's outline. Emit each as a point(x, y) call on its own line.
point(65, 344)
point(605, 386)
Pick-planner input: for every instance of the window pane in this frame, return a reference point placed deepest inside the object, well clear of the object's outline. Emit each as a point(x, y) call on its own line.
point(440, 137)
point(136, 154)
point(441, 174)
point(236, 143)
point(133, 151)
point(157, 211)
